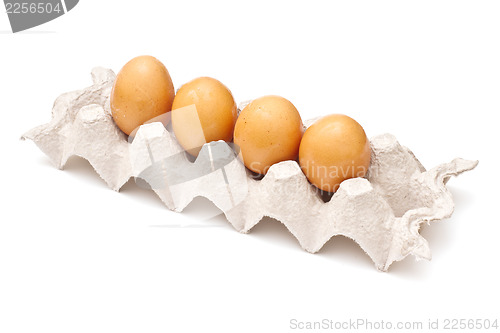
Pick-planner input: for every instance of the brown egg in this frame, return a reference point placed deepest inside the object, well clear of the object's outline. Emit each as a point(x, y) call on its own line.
point(333, 149)
point(142, 91)
point(204, 110)
point(268, 131)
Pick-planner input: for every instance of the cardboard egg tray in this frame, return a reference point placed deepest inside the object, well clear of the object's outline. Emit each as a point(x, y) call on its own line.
point(381, 212)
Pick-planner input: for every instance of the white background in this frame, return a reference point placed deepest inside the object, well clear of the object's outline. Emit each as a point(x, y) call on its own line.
point(76, 256)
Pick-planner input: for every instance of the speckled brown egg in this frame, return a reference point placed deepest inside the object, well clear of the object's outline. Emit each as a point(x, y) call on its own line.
point(268, 131)
point(333, 149)
point(143, 90)
point(204, 110)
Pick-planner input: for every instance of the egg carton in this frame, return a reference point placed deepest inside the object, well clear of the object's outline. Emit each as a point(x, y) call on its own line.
point(381, 212)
